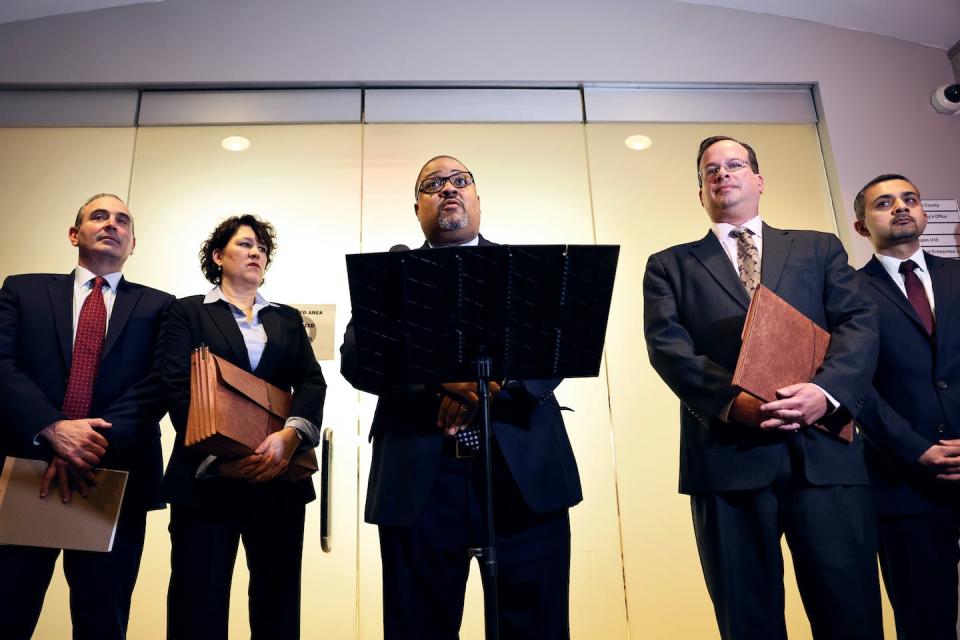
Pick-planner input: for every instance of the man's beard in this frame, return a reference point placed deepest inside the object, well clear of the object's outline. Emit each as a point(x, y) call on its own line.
point(453, 222)
point(905, 232)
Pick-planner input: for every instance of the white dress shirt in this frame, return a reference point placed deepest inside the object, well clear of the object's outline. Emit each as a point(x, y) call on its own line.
point(892, 265)
point(82, 286)
point(469, 243)
point(729, 243)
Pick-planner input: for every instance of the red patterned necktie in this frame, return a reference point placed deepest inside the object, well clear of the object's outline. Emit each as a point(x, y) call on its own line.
point(917, 295)
point(91, 327)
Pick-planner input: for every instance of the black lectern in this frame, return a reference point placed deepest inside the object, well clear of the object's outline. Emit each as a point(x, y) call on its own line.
point(482, 313)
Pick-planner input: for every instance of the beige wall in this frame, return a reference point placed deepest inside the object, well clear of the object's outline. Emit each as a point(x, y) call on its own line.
point(304, 180)
point(534, 188)
point(874, 90)
point(647, 201)
point(335, 189)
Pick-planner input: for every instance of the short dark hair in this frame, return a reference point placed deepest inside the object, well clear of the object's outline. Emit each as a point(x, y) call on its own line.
point(708, 142)
point(221, 236)
point(79, 219)
point(860, 202)
point(416, 185)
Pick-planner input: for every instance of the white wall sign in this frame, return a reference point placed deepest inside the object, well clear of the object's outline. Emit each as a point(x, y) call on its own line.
point(318, 320)
point(942, 236)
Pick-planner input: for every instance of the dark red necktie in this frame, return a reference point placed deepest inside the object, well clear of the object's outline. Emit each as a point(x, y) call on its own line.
point(917, 295)
point(91, 327)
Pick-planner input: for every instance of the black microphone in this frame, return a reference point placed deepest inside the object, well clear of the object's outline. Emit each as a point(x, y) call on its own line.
point(399, 247)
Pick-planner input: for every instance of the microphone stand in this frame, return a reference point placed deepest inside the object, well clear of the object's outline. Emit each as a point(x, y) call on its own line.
point(486, 555)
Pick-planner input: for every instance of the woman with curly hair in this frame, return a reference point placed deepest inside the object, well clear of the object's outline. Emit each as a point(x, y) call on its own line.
point(217, 503)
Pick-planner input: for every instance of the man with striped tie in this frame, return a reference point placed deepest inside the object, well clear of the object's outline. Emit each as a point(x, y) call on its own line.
point(75, 389)
point(755, 473)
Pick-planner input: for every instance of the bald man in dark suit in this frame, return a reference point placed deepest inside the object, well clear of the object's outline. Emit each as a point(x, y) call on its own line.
point(47, 414)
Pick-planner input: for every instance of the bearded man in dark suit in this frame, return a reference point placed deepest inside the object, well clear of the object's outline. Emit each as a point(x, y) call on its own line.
point(425, 489)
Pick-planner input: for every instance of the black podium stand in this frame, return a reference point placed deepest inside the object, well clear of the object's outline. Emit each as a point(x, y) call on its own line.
point(482, 313)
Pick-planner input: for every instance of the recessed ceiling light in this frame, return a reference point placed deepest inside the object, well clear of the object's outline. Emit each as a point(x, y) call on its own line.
point(235, 143)
point(638, 142)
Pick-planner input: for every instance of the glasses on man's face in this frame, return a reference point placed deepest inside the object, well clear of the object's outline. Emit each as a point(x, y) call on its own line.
point(733, 165)
point(459, 180)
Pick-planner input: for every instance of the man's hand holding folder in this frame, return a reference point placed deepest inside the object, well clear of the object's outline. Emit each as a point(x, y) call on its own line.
point(798, 405)
point(781, 352)
point(78, 447)
point(67, 478)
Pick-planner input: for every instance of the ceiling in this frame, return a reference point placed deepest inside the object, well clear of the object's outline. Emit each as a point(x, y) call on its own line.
point(17, 10)
point(930, 22)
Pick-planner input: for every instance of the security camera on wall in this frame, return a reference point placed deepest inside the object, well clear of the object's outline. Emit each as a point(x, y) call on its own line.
point(946, 99)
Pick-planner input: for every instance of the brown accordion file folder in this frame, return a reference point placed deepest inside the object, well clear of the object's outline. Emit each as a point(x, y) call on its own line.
point(781, 346)
point(232, 411)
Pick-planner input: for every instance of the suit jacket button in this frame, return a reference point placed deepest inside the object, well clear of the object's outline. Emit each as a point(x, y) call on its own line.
point(941, 428)
point(941, 384)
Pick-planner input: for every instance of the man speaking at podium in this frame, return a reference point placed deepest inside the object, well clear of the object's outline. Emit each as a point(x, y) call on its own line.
point(425, 490)
point(755, 473)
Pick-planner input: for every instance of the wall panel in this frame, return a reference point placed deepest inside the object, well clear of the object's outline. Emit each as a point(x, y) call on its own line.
point(336, 189)
point(533, 186)
point(647, 201)
point(45, 175)
point(305, 180)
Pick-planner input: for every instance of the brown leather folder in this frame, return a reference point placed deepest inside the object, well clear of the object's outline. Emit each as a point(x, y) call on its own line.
point(781, 346)
point(232, 411)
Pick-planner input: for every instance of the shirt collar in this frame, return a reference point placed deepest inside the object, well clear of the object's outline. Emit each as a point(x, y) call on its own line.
point(892, 265)
point(82, 275)
point(754, 225)
point(259, 302)
point(469, 243)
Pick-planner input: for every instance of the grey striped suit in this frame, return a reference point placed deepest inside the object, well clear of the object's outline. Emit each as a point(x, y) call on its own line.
point(749, 487)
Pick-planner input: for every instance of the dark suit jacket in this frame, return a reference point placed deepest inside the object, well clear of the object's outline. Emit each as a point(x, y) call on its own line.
point(407, 444)
point(287, 362)
point(36, 347)
point(694, 309)
point(915, 399)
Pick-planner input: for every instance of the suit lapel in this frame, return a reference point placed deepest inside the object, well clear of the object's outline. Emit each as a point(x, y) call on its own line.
point(942, 295)
point(713, 258)
point(276, 339)
point(222, 317)
point(880, 279)
point(776, 251)
point(123, 305)
point(60, 291)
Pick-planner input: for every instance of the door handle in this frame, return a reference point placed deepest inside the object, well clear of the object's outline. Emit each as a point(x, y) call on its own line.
point(326, 488)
